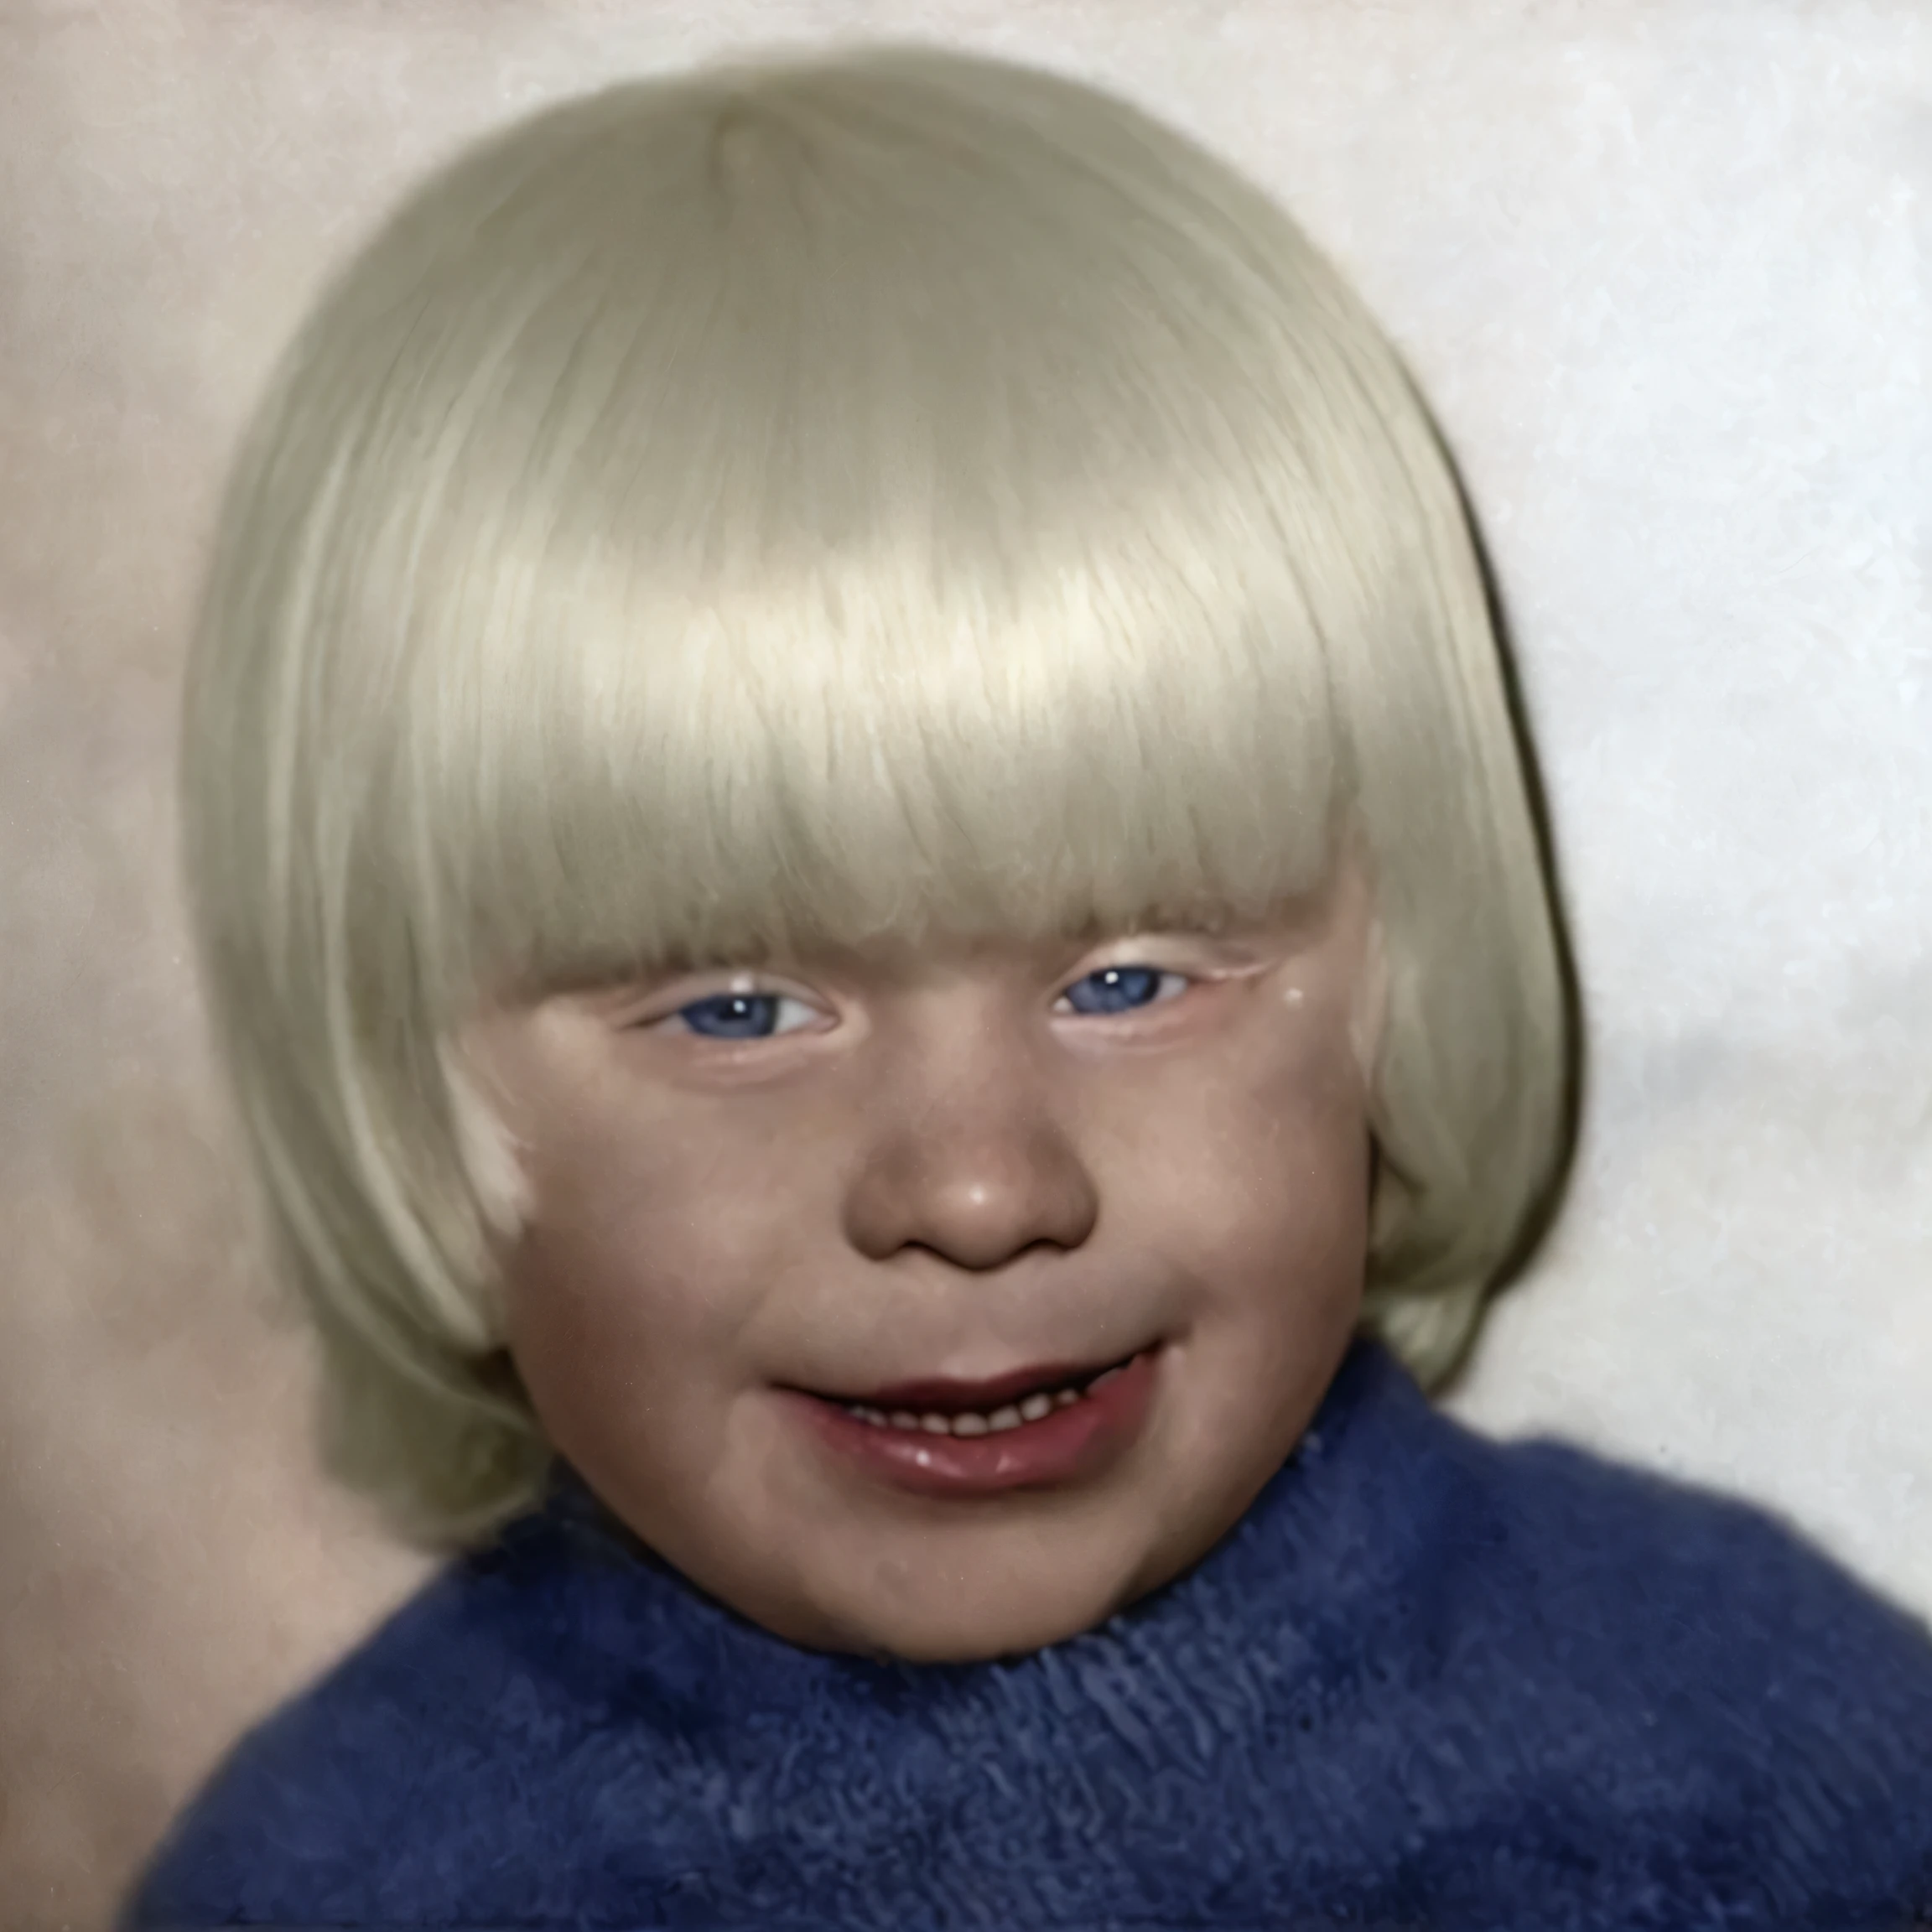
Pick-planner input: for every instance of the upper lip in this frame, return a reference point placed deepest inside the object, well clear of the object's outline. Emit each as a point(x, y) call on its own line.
point(944, 1392)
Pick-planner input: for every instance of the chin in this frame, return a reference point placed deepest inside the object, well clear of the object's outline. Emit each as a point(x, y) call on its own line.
point(957, 1633)
point(938, 1619)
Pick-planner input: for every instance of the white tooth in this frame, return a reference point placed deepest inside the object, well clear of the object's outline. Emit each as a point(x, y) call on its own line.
point(1007, 1418)
point(968, 1424)
point(1065, 1398)
point(1034, 1407)
point(876, 1417)
point(903, 1419)
point(936, 1425)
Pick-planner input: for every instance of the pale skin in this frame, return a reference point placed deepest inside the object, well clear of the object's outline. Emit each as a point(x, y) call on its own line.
point(948, 1160)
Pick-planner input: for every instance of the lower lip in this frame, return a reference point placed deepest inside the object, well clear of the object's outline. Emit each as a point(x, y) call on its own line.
point(1065, 1446)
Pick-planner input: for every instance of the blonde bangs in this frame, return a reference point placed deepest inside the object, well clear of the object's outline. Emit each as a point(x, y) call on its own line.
point(720, 778)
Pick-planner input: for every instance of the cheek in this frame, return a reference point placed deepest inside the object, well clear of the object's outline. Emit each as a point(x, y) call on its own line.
point(1258, 1180)
point(644, 1261)
point(629, 1347)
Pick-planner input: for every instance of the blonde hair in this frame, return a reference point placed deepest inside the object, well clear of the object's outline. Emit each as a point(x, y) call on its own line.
point(788, 503)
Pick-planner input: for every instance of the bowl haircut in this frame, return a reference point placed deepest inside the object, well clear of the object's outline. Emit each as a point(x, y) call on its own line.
point(736, 512)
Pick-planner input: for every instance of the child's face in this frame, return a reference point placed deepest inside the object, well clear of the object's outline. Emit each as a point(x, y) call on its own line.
point(1001, 1164)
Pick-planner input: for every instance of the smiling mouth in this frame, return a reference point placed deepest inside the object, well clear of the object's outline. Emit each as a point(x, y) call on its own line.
point(939, 1406)
point(1042, 1428)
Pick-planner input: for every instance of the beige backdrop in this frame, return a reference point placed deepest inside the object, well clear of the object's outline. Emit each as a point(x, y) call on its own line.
point(1661, 264)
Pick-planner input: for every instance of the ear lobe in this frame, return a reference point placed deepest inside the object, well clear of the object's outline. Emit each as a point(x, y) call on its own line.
point(1355, 877)
point(1369, 1013)
point(487, 1148)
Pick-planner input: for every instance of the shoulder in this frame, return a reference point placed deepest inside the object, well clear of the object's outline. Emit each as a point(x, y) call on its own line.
point(1609, 1561)
point(497, 1663)
point(1665, 1573)
point(1693, 1664)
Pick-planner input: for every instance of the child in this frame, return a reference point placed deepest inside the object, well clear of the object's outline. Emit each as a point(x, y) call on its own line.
point(864, 869)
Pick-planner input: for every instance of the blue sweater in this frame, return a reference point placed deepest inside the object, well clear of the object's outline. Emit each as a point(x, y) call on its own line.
point(1429, 1680)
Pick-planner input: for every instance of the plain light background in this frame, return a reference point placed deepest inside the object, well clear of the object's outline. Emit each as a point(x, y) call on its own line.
point(1660, 265)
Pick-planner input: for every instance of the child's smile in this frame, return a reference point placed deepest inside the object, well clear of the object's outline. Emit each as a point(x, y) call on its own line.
point(1047, 1423)
point(942, 1300)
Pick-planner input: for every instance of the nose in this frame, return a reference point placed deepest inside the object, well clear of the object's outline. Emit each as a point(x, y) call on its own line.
point(969, 1164)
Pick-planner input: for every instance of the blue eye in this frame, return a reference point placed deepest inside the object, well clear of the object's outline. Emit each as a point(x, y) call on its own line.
point(1120, 990)
point(737, 1015)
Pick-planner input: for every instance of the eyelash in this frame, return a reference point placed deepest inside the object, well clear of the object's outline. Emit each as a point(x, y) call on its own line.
point(1167, 985)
